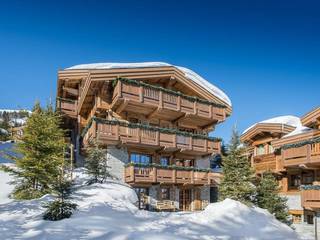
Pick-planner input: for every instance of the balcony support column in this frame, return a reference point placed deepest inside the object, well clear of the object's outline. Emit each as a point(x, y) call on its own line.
point(192, 177)
point(141, 94)
point(174, 176)
point(154, 171)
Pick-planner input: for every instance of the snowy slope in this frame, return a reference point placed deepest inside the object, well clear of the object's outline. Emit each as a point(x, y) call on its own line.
point(187, 72)
point(107, 211)
point(287, 120)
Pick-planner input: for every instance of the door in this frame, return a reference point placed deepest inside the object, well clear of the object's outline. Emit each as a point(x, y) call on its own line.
point(143, 194)
point(197, 199)
point(185, 199)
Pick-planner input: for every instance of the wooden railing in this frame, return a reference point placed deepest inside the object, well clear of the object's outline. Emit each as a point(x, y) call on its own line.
point(106, 133)
point(67, 106)
point(164, 100)
point(310, 198)
point(309, 153)
point(264, 162)
point(161, 175)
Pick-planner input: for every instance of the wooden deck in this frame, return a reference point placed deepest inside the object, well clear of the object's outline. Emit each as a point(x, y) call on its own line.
point(155, 103)
point(67, 106)
point(265, 162)
point(308, 154)
point(310, 199)
point(149, 175)
point(105, 133)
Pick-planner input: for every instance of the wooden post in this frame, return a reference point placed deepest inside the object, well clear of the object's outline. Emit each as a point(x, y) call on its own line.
point(315, 226)
point(154, 170)
point(179, 103)
point(71, 159)
point(174, 176)
point(132, 173)
point(192, 177)
point(141, 94)
point(160, 99)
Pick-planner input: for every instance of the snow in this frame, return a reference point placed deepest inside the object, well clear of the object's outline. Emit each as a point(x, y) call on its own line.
point(108, 211)
point(298, 130)
point(14, 110)
point(286, 120)
point(187, 72)
point(3, 131)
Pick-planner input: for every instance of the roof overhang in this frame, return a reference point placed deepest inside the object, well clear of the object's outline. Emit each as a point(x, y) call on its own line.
point(311, 118)
point(262, 129)
point(96, 75)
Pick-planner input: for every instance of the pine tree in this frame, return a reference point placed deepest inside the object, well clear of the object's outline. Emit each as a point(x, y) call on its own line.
point(237, 180)
point(97, 164)
point(62, 207)
point(267, 197)
point(42, 154)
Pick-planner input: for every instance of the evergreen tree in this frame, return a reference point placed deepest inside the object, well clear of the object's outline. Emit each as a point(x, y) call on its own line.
point(237, 180)
point(97, 164)
point(42, 154)
point(62, 207)
point(267, 197)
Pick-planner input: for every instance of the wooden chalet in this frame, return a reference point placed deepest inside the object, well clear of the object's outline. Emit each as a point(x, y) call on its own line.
point(291, 150)
point(154, 120)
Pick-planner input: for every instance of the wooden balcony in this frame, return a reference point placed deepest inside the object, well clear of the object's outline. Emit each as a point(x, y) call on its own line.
point(308, 154)
point(310, 198)
point(265, 162)
point(67, 106)
point(155, 103)
point(114, 132)
point(149, 175)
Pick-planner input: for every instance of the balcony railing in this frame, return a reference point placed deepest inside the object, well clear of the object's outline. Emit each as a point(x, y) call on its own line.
point(265, 162)
point(113, 131)
point(310, 197)
point(67, 106)
point(158, 174)
point(165, 99)
point(305, 154)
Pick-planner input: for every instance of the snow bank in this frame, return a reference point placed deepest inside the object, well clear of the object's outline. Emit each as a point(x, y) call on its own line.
point(298, 130)
point(187, 72)
point(5, 187)
point(107, 211)
point(287, 120)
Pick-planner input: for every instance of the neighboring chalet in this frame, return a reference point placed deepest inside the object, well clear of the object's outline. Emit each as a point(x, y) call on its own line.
point(290, 147)
point(154, 120)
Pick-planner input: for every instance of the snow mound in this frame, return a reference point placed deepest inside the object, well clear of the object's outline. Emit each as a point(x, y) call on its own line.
point(286, 120)
point(187, 72)
point(108, 211)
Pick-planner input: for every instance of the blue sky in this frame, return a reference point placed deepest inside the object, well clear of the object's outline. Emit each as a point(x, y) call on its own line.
point(264, 54)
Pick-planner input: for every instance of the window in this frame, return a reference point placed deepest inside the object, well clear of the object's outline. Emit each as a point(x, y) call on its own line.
point(260, 149)
point(165, 193)
point(271, 150)
point(307, 178)
point(295, 181)
point(296, 218)
point(140, 158)
point(164, 161)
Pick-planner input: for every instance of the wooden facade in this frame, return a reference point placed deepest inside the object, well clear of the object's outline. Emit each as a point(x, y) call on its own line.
point(156, 111)
point(294, 159)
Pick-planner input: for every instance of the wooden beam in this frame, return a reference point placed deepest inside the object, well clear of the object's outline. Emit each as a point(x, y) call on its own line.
point(72, 91)
point(180, 117)
point(122, 106)
point(154, 112)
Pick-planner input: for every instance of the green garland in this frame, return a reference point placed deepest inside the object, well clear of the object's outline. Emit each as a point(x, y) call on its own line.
point(169, 91)
point(147, 127)
point(66, 100)
point(310, 187)
point(300, 144)
point(171, 167)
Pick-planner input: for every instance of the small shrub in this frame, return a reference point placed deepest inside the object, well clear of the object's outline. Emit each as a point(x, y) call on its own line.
point(58, 210)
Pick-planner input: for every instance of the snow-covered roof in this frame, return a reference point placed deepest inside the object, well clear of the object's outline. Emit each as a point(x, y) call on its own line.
point(187, 72)
point(286, 120)
point(298, 130)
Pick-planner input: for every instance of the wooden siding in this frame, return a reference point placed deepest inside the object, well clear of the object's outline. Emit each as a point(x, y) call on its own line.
point(310, 199)
point(67, 107)
point(140, 175)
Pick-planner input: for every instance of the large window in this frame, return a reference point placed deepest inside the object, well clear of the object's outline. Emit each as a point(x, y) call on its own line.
point(140, 158)
point(165, 193)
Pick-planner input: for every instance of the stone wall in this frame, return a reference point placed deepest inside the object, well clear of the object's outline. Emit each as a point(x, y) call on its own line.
point(117, 158)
